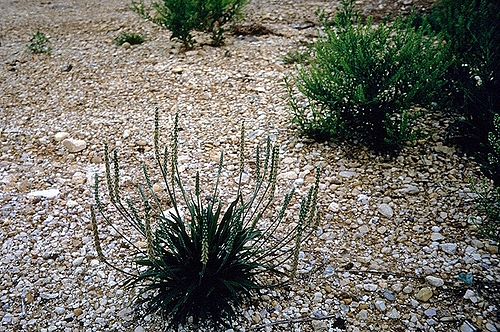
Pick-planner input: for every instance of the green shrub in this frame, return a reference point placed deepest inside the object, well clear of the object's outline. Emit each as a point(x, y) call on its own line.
point(39, 44)
point(488, 201)
point(206, 264)
point(217, 14)
point(471, 27)
point(365, 79)
point(182, 17)
point(493, 167)
point(131, 38)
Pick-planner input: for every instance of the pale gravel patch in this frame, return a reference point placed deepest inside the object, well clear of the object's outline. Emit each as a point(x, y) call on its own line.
point(49, 276)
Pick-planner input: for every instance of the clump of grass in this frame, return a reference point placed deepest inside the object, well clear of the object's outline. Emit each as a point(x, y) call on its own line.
point(128, 37)
point(206, 264)
point(39, 44)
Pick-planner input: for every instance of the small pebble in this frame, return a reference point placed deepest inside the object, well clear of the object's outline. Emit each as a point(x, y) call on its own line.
point(431, 312)
point(424, 294)
point(362, 315)
point(393, 314)
point(385, 210)
point(60, 310)
point(380, 305)
point(389, 295)
point(434, 281)
point(78, 261)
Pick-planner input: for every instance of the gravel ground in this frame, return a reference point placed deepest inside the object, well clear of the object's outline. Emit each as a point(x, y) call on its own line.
point(395, 235)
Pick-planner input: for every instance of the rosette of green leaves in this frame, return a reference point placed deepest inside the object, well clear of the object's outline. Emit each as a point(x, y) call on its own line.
point(205, 265)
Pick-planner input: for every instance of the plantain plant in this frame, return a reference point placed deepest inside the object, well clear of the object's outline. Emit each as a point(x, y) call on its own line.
point(207, 264)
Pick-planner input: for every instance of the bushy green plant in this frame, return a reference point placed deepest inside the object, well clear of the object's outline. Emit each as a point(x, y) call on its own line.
point(39, 43)
point(488, 197)
point(493, 166)
point(471, 27)
point(206, 264)
point(182, 17)
point(365, 79)
point(128, 37)
point(488, 202)
point(217, 13)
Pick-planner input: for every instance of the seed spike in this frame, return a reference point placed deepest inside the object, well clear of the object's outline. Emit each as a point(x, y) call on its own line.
point(204, 244)
point(109, 180)
point(242, 148)
point(116, 177)
point(298, 237)
point(157, 132)
point(257, 163)
point(96, 189)
point(175, 141)
point(266, 159)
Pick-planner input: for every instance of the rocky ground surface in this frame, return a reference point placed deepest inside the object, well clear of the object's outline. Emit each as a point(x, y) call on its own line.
point(395, 237)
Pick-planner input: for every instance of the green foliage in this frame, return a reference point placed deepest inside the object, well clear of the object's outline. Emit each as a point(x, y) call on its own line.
point(493, 166)
point(217, 13)
point(488, 197)
point(399, 129)
point(471, 28)
point(182, 17)
point(488, 201)
point(131, 38)
point(365, 79)
point(39, 44)
point(463, 21)
point(206, 264)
